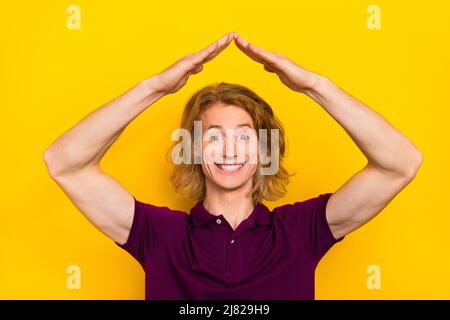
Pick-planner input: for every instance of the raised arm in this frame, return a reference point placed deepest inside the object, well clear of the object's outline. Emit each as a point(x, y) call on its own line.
point(392, 159)
point(73, 160)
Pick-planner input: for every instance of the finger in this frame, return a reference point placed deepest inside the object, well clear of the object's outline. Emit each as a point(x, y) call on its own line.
point(242, 44)
point(250, 50)
point(226, 39)
point(223, 43)
point(262, 54)
point(267, 68)
point(218, 50)
point(254, 52)
point(198, 69)
point(202, 55)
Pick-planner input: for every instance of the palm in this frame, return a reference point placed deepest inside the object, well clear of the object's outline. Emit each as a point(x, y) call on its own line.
point(174, 77)
point(292, 75)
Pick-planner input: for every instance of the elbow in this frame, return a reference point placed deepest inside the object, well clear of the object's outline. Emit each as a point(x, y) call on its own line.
point(51, 163)
point(58, 165)
point(414, 164)
point(48, 160)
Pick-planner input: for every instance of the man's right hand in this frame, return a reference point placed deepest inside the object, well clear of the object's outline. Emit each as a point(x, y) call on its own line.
point(73, 160)
point(171, 79)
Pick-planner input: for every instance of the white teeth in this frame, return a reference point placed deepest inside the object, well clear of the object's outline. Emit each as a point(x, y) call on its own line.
point(230, 167)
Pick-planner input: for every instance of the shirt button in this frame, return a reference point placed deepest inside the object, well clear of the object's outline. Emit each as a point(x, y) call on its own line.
point(232, 241)
point(219, 221)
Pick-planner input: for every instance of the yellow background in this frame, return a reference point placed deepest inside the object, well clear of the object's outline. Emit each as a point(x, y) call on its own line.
point(51, 77)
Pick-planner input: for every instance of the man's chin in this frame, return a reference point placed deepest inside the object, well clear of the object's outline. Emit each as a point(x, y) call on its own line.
point(230, 186)
point(226, 188)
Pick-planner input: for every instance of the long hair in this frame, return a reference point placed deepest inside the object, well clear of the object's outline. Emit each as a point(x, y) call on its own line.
point(189, 179)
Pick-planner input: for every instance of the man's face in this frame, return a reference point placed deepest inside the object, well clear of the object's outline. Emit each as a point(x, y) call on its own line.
point(229, 147)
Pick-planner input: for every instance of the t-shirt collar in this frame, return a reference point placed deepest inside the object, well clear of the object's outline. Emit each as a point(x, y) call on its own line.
point(199, 215)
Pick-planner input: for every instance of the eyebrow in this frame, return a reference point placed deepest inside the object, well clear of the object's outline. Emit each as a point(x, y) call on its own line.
point(220, 127)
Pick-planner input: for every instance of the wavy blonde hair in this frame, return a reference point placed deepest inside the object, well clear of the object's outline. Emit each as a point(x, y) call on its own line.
point(189, 179)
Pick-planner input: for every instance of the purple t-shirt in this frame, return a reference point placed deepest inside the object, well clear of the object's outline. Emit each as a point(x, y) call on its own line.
point(271, 255)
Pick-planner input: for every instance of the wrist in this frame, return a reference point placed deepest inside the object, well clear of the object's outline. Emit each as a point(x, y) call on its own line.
point(149, 89)
point(317, 84)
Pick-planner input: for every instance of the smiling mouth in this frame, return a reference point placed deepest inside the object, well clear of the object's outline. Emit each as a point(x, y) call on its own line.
point(229, 167)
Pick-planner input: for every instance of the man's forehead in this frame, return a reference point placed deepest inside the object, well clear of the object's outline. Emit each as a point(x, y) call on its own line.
point(220, 113)
point(222, 127)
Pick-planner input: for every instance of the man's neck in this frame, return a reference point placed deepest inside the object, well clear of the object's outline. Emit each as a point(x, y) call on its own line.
point(234, 205)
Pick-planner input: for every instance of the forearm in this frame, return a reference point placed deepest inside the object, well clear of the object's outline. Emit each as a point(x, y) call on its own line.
point(85, 143)
point(383, 145)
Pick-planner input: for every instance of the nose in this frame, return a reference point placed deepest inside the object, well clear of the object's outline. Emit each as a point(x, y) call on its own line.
point(229, 148)
point(234, 150)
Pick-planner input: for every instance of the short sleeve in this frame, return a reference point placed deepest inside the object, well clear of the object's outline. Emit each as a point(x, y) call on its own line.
point(311, 220)
point(150, 228)
point(137, 242)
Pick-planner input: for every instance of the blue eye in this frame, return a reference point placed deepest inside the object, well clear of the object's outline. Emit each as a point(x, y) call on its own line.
point(243, 136)
point(215, 138)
